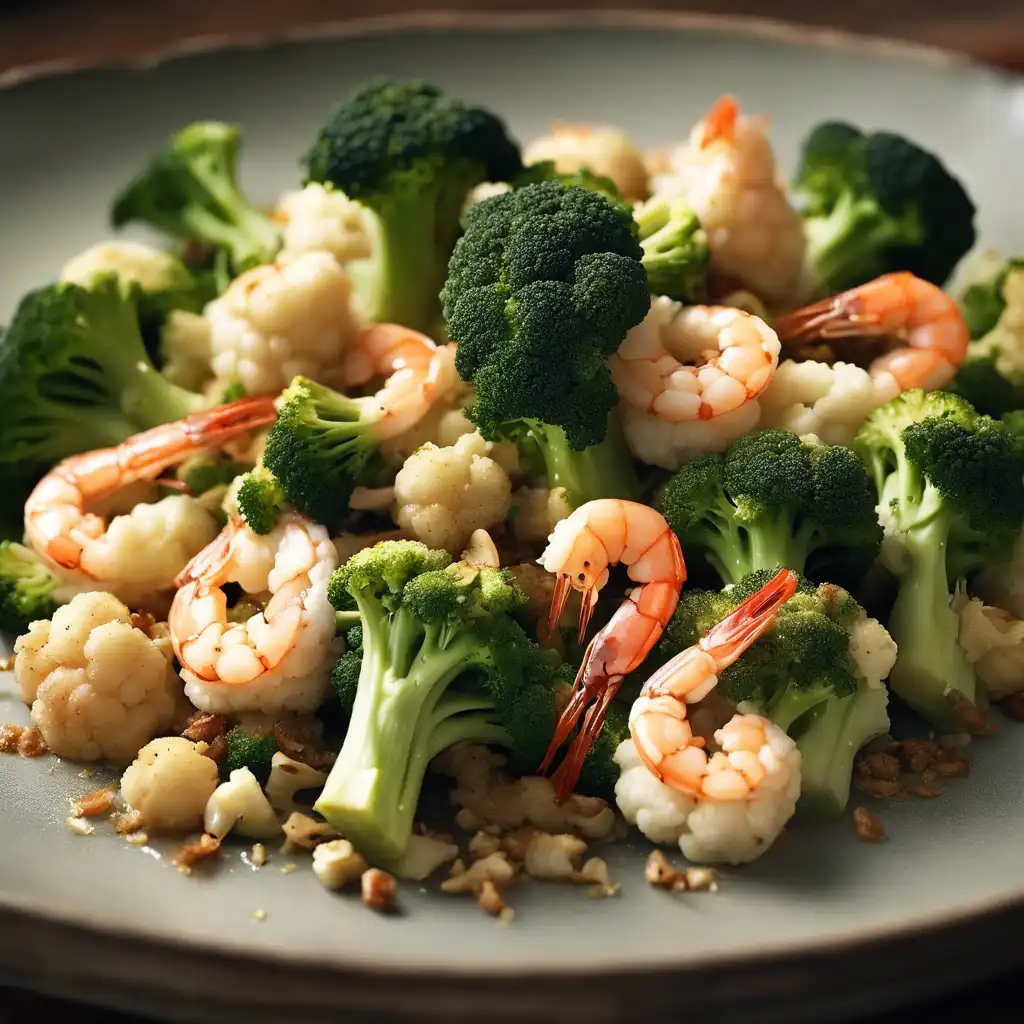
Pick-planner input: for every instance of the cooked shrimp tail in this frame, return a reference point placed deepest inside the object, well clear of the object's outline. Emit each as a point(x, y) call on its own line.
point(920, 315)
point(720, 121)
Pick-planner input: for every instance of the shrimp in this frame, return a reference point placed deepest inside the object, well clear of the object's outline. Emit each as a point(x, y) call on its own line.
point(277, 659)
point(82, 546)
point(727, 173)
point(418, 373)
point(580, 550)
point(689, 378)
point(658, 722)
point(919, 314)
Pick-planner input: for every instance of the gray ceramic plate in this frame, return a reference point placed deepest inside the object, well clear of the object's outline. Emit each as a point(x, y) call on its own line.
point(823, 926)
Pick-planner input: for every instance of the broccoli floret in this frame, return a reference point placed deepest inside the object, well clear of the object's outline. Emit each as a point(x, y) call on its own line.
point(442, 661)
point(249, 748)
point(207, 470)
point(541, 289)
point(189, 190)
point(321, 447)
point(345, 673)
point(951, 487)
point(74, 375)
point(410, 154)
point(877, 202)
point(676, 253)
point(773, 500)
point(803, 674)
point(28, 590)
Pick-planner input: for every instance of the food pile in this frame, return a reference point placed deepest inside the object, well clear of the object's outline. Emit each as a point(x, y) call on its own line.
point(603, 488)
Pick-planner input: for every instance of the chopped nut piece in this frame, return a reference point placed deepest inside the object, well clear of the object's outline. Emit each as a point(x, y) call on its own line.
point(31, 743)
point(928, 776)
point(99, 801)
point(144, 622)
point(259, 914)
point(192, 853)
point(300, 748)
point(976, 722)
point(590, 816)
point(917, 755)
point(217, 749)
point(378, 889)
point(868, 827)
point(337, 863)
point(883, 766)
point(659, 872)
point(201, 726)
point(922, 789)
point(258, 856)
point(7, 664)
point(878, 788)
point(490, 899)
point(10, 735)
point(595, 874)
point(287, 869)
point(950, 767)
point(304, 833)
point(700, 878)
point(423, 856)
point(495, 868)
point(137, 838)
point(129, 822)
point(516, 843)
point(458, 868)
point(483, 845)
point(554, 857)
point(80, 826)
point(954, 740)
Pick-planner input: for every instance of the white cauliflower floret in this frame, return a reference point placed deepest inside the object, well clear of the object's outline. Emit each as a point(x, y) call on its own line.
point(443, 494)
point(710, 831)
point(993, 641)
point(99, 687)
point(1003, 585)
point(872, 648)
point(537, 512)
point(170, 784)
point(319, 219)
point(186, 347)
point(600, 149)
point(239, 805)
point(829, 401)
point(290, 317)
point(153, 270)
point(486, 189)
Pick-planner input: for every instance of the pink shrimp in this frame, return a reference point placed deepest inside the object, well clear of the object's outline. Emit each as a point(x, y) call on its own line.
point(900, 306)
point(663, 737)
point(57, 523)
point(580, 550)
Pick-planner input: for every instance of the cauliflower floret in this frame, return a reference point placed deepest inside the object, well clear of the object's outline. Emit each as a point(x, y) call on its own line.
point(1006, 340)
point(537, 511)
point(99, 687)
point(318, 219)
point(828, 401)
point(486, 189)
point(186, 347)
point(710, 831)
point(993, 641)
point(1003, 585)
point(170, 784)
point(239, 805)
point(153, 270)
point(443, 494)
point(873, 650)
point(290, 317)
point(599, 149)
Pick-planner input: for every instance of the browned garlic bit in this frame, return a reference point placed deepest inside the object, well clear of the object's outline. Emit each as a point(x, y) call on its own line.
point(31, 743)
point(868, 828)
point(660, 873)
point(92, 805)
point(288, 777)
point(886, 767)
point(191, 854)
point(378, 888)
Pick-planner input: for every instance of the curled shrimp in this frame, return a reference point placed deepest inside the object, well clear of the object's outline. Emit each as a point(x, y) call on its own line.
point(79, 542)
point(278, 658)
point(580, 550)
point(689, 378)
point(920, 315)
point(418, 373)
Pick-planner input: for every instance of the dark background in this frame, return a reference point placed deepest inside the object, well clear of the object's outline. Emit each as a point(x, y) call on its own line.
point(45, 31)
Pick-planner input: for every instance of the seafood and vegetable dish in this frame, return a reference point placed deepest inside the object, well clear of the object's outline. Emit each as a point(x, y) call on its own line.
point(587, 488)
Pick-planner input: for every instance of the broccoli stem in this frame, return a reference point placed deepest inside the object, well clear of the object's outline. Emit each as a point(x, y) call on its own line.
point(604, 470)
point(734, 551)
point(794, 702)
point(828, 747)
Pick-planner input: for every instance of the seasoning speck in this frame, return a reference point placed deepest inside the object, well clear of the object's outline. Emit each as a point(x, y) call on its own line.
point(259, 914)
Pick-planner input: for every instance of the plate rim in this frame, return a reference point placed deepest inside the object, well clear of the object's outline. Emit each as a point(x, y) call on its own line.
point(936, 927)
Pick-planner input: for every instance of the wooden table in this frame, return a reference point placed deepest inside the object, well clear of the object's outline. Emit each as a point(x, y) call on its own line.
point(45, 31)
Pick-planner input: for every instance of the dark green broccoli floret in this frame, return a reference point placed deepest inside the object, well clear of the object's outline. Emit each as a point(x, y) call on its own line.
point(410, 154)
point(876, 203)
point(345, 673)
point(28, 590)
point(801, 674)
point(322, 446)
point(249, 748)
point(774, 500)
point(541, 289)
point(74, 375)
point(189, 190)
point(442, 661)
point(951, 483)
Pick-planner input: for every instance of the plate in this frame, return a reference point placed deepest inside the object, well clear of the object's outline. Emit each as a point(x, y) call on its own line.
point(824, 926)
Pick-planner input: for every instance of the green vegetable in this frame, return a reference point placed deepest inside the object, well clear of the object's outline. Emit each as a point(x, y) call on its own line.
point(442, 661)
point(189, 190)
point(951, 483)
point(249, 748)
point(877, 202)
point(28, 590)
point(773, 500)
point(676, 252)
point(207, 470)
point(74, 375)
point(259, 497)
point(410, 154)
point(542, 288)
